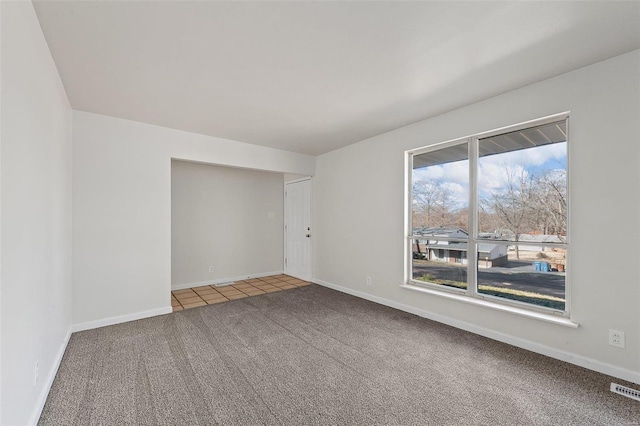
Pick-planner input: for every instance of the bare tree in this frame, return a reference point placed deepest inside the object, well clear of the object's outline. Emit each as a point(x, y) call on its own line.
point(444, 207)
point(550, 202)
point(434, 204)
point(488, 221)
point(425, 196)
point(513, 205)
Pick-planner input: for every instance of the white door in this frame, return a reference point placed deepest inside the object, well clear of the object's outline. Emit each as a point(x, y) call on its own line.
point(297, 229)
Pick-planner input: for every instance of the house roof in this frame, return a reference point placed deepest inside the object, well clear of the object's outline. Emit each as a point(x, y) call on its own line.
point(438, 231)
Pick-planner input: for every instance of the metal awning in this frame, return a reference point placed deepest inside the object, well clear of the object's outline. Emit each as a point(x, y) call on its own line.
point(531, 137)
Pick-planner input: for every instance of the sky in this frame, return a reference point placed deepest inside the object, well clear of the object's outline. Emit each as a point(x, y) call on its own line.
point(492, 170)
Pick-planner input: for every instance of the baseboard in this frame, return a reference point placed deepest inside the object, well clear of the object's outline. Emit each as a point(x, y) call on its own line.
point(582, 361)
point(44, 393)
point(120, 319)
point(224, 280)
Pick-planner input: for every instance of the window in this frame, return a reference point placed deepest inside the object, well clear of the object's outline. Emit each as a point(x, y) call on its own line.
point(488, 216)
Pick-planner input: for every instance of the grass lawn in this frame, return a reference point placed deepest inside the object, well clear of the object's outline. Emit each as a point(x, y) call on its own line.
point(505, 293)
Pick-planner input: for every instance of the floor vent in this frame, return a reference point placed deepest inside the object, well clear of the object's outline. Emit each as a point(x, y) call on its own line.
point(623, 390)
point(224, 284)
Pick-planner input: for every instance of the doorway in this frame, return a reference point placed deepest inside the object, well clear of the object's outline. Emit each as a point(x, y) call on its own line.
point(297, 229)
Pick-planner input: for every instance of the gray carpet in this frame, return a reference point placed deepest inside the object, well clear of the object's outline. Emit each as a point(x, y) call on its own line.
point(316, 356)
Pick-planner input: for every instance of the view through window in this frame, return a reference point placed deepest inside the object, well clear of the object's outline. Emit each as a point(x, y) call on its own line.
point(489, 216)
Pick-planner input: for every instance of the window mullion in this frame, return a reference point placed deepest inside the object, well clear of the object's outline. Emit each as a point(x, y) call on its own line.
point(472, 254)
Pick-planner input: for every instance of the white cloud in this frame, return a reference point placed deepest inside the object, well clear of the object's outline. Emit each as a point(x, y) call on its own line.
point(494, 170)
point(457, 172)
point(429, 173)
point(459, 194)
point(492, 177)
point(530, 157)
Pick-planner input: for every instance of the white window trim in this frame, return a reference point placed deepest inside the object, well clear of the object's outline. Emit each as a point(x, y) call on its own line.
point(529, 313)
point(471, 295)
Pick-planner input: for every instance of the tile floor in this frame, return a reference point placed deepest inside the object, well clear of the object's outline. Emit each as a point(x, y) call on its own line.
point(210, 294)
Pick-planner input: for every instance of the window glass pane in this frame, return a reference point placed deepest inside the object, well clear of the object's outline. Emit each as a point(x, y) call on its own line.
point(528, 273)
point(440, 262)
point(440, 195)
point(522, 185)
point(521, 181)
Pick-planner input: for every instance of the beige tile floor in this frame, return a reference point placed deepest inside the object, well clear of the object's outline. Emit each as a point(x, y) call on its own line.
point(210, 294)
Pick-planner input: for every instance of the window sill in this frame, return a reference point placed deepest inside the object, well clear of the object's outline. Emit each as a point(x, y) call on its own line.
point(554, 319)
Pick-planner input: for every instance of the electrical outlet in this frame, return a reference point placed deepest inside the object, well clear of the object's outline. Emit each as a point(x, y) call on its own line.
point(369, 282)
point(616, 338)
point(36, 372)
point(211, 269)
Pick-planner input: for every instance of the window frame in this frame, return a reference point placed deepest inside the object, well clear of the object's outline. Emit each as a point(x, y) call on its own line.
point(473, 239)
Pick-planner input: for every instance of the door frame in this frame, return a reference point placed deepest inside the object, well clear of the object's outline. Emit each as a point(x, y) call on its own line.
point(284, 225)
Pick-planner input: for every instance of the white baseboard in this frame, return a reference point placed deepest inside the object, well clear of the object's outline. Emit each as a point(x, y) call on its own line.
point(120, 319)
point(224, 280)
point(44, 393)
point(582, 361)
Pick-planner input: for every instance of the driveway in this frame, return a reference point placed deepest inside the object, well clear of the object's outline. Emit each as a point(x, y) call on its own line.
point(518, 275)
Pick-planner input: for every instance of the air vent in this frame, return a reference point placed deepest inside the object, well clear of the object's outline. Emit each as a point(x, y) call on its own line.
point(625, 391)
point(224, 284)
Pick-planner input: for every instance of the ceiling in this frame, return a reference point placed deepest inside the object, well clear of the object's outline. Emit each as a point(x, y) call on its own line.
point(311, 77)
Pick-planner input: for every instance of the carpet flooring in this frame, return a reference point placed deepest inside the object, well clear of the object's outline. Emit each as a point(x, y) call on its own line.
point(314, 356)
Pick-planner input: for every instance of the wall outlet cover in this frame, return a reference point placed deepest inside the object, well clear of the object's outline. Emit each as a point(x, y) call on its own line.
point(616, 338)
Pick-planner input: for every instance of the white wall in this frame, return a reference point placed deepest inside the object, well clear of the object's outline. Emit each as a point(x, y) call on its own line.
point(288, 177)
point(122, 210)
point(220, 218)
point(36, 215)
point(359, 203)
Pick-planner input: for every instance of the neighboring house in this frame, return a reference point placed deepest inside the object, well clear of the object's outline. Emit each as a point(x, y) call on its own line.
point(441, 232)
point(433, 248)
point(533, 242)
point(492, 255)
